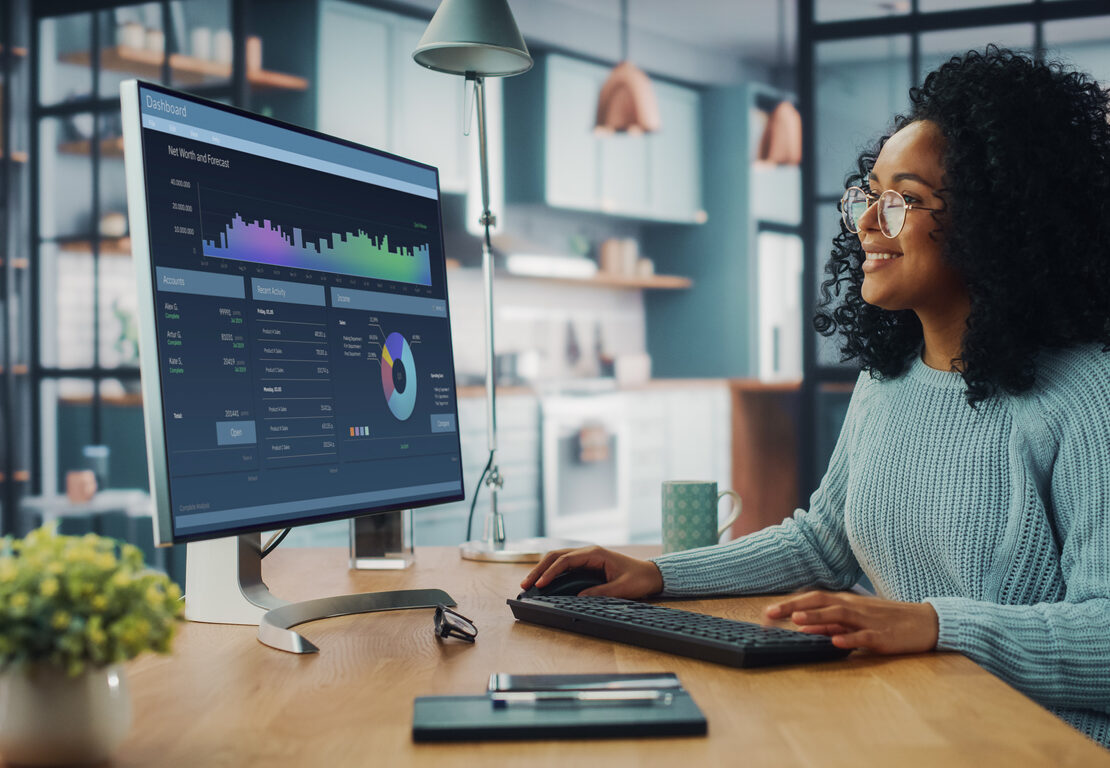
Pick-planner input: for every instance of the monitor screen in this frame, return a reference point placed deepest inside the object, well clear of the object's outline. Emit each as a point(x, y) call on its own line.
point(294, 329)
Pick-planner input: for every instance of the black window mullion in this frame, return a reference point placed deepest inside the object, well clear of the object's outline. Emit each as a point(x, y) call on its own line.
point(240, 89)
point(35, 252)
point(169, 45)
point(94, 158)
point(807, 459)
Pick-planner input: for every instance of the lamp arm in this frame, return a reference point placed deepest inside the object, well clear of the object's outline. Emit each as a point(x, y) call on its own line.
point(494, 532)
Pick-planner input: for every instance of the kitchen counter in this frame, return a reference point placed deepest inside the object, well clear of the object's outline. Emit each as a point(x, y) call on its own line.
point(736, 385)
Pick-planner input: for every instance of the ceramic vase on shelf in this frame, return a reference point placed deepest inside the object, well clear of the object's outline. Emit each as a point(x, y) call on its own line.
point(50, 718)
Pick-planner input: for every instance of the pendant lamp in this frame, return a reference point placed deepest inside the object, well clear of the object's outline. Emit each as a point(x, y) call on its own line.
point(627, 102)
point(781, 142)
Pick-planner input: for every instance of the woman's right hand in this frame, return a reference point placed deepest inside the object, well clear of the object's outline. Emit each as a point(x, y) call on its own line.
point(624, 576)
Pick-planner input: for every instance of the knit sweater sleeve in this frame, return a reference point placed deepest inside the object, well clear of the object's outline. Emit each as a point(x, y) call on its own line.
point(1056, 652)
point(808, 549)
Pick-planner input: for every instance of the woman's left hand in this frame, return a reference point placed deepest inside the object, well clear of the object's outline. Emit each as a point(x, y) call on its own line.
point(856, 621)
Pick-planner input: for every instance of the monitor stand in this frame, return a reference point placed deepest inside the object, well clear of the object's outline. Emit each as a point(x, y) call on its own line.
point(223, 585)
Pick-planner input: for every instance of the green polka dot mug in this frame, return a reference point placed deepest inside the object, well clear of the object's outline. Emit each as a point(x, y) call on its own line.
point(690, 517)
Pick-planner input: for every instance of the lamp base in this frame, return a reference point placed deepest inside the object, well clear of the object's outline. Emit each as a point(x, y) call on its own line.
point(522, 551)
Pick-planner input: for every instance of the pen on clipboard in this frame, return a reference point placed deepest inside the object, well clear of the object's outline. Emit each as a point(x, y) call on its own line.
point(502, 699)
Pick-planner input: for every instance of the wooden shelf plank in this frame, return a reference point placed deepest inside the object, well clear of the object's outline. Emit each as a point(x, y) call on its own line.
point(744, 386)
point(110, 147)
point(653, 282)
point(109, 246)
point(185, 70)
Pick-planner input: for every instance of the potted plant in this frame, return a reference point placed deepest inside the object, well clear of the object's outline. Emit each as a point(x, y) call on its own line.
point(72, 609)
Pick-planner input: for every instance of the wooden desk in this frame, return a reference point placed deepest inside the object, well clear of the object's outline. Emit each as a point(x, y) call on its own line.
point(223, 699)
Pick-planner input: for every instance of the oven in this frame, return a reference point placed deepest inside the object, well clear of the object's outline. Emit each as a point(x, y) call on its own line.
point(585, 467)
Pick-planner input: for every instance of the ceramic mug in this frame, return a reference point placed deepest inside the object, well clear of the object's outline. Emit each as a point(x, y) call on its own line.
point(690, 514)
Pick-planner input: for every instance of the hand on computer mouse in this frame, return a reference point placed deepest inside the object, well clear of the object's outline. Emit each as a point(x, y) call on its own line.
point(625, 576)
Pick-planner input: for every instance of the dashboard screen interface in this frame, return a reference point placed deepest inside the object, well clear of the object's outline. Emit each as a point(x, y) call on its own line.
point(303, 336)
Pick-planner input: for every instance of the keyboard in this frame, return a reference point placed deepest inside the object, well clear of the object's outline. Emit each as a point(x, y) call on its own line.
point(709, 638)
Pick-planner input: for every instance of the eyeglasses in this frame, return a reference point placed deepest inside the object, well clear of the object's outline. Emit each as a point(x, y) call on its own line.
point(892, 209)
point(451, 624)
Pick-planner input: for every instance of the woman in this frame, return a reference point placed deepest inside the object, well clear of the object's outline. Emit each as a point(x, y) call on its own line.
point(971, 479)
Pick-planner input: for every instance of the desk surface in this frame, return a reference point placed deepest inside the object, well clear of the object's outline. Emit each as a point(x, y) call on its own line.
point(223, 699)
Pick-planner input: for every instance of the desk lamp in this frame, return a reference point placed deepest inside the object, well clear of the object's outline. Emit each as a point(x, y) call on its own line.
point(479, 39)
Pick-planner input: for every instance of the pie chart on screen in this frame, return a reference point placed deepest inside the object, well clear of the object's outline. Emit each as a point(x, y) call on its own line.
point(398, 376)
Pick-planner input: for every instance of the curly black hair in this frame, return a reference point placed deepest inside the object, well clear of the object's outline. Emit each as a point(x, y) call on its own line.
point(1026, 186)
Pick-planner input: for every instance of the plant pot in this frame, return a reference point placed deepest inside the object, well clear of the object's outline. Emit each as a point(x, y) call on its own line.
point(49, 718)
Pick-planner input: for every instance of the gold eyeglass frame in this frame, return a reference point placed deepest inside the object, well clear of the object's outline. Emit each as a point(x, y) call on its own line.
point(871, 200)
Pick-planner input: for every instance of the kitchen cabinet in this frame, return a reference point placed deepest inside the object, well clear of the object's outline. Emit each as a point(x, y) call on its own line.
point(385, 100)
point(675, 161)
point(557, 159)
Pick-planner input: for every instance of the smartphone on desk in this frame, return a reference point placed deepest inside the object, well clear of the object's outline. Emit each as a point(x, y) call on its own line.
point(501, 681)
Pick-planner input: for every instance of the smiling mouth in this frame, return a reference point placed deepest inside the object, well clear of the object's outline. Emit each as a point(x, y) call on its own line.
point(876, 256)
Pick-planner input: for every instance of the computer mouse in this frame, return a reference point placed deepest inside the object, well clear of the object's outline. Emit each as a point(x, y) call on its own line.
point(568, 583)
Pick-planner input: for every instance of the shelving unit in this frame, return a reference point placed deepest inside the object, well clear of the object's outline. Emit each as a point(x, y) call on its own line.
point(184, 70)
point(85, 391)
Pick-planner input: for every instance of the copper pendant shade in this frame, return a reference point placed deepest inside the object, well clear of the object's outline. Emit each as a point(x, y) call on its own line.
point(781, 142)
point(627, 103)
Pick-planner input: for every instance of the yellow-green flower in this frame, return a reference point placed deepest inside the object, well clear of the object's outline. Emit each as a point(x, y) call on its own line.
point(48, 587)
point(70, 602)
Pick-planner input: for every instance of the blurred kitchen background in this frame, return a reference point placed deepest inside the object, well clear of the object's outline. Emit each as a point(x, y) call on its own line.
point(654, 290)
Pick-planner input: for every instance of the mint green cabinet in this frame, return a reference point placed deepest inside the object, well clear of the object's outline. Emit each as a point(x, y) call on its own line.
point(674, 155)
point(554, 156)
point(381, 97)
point(571, 152)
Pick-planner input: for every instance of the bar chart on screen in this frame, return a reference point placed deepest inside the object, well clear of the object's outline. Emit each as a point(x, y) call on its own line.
point(251, 229)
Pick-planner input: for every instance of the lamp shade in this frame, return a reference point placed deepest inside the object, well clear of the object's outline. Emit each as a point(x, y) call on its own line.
point(627, 103)
point(781, 142)
point(477, 37)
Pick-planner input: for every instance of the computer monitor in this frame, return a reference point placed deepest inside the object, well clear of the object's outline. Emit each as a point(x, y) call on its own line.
point(295, 339)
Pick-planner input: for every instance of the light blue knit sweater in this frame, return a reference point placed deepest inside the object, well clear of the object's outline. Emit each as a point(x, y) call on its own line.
point(941, 503)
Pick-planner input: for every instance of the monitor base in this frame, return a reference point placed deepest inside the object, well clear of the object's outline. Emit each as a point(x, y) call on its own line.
point(274, 629)
point(223, 585)
point(223, 581)
point(521, 551)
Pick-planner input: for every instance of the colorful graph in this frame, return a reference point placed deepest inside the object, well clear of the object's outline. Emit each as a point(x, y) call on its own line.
point(398, 376)
point(354, 253)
